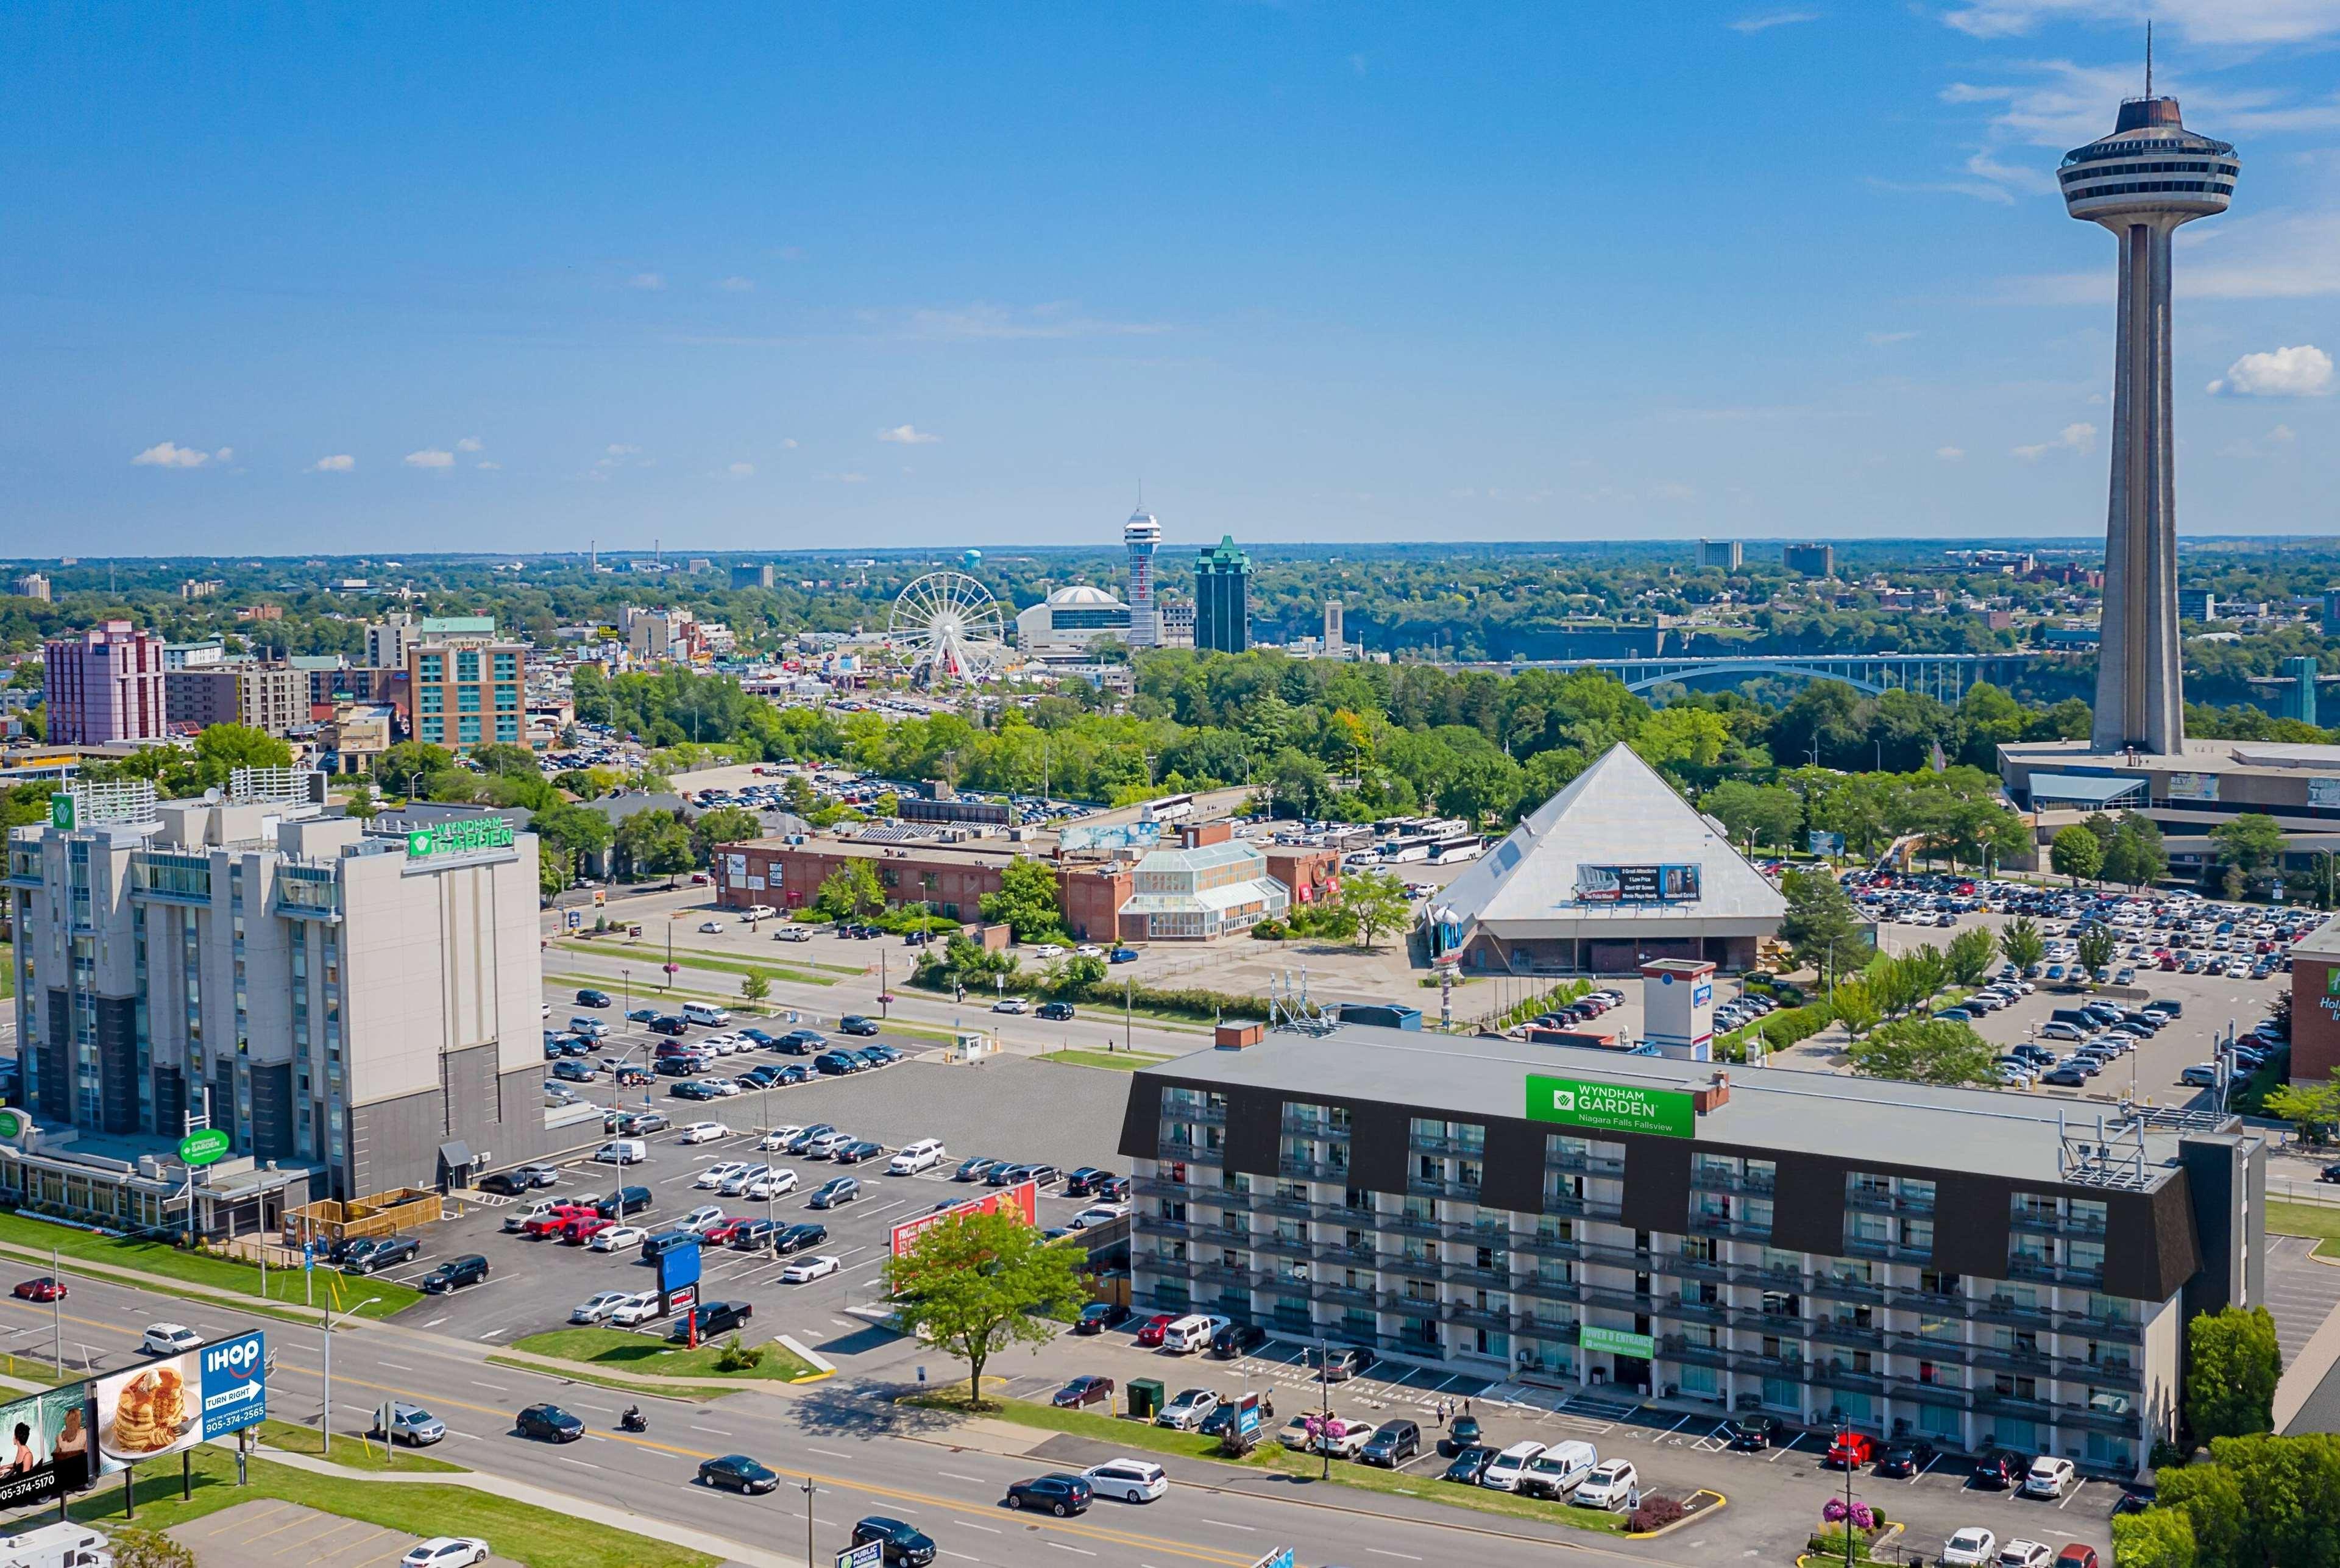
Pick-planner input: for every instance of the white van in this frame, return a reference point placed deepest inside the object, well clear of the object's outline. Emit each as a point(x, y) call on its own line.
point(624, 1152)
point(1191, 1333)
point(1559, 1470)
point(923, 1154)
point(699, 1013)
point(56, 1547)
point(1504, 1472)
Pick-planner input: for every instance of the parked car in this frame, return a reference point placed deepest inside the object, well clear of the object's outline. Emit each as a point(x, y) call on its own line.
point(796, 1237)
point(834, 1192)
point(2022, 1554)
point(1504, 1472)
point(1610, 1485)
point(855, 1024)
point(456, 1273)
point(1752, 1434)
point(1084, 1390)
point(381, 1252)
point(1099, 1315)
point(618, 1238)
point(805, 1270)
point(1996, 1470)
point(1237, 1339)
point(438, 1552)
point(1393, 1443)
point(714, 1317)
point(2048, 1477)
point(1187, 1409)
point(1340, 1362)
point(1149, 1333)
point(1850, 1451)
point(1972, 1547)
point(1470, 1464)
point(1461, 1432)
point(1906, 1459)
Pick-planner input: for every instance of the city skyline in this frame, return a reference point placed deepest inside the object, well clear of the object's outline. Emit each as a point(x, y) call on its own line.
point(915, 281)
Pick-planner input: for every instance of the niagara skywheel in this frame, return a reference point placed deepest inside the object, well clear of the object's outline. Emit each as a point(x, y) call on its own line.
point(952, 628)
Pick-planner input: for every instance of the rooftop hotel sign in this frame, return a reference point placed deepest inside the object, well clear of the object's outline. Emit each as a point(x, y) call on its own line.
point(1609, 1107)
point(458, 839)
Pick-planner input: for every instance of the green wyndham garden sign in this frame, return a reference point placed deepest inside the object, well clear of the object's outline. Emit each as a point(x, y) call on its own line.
point(11, 1125)
point(1611, 1107)
point(460, 836)
point(202, 1148)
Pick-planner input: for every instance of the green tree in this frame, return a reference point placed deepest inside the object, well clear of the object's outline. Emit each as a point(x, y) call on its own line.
point(2251, 843)
point(2233, 1361)
point(1970, 954)
point(1377, 901)
point(496, 756)
point(1756, 813)
point(1821, 925)
point(973, 1286)
point(2314, 1109)
point(2210, 1499)
point(755, 985)
point(2095, 948)
point(654, 842)
point(2157, 1538)
point(1026, 902)
point(566, 834)
point(1076, 977)
point(1855, 1006)
point(402, 768)
point(221, 748)
point(2076, 853)
point(2022, 943)
point(850, 892)
point(134, 1548)
point(723, 825)
point(1925, 1051)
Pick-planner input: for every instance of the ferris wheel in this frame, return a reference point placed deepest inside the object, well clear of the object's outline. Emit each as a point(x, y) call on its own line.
point(953, 628)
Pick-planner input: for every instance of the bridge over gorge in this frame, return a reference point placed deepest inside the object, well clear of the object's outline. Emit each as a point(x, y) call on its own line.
point(1942, 676)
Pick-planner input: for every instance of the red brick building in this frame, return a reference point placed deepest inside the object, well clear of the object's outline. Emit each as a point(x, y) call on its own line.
point(951, 878)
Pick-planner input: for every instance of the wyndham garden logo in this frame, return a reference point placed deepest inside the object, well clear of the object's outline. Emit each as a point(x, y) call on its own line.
point(459, 836)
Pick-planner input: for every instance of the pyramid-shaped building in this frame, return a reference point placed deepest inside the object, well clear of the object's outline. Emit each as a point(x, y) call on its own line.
point(1614, 871)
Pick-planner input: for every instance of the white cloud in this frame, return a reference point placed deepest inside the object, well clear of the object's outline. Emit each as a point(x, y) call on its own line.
point(488, 465)
point(2279, 439)
point(431, 457)
point(469, 444)
point(1886, 340)
point(649, 282)
point(615, 454)
point(908, 435)
point(2196, 21)
point(788, 443)
point(171, 454)
point(981, 322)
point(1950, 453)
point(2302, 371)
point(847, 478)
point(1763, 22)
point(224, 453)
point(340, 462)
point(2073, 438)
point(742, 470)
point(736, 285)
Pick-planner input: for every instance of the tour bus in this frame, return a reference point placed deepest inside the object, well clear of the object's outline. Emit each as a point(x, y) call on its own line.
point(1454, 851)
point(1410, 848)
point(1170, 808)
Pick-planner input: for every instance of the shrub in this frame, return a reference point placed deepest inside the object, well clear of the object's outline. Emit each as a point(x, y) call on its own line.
point(135, 1548)
point(738, 1358)
point(1271, 931)
point(1655, 1514)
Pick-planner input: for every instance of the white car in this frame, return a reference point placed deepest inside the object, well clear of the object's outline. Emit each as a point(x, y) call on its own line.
point(705, 1218)
point(1131, 1480)
point(1008, 1005)
point(2023, 1554)
point(1971, 1548)
point(715, 1175)
point(597, 1308)
point(806, 1269)
point(765, 1188)
point(1503, 1470)
point(703, 1133)
point(637, 1309)
point(168, 1339)
point(922, 1155)
point(737, 1182)
point(1607, 1486)
point(724, 1045)
point(618, 1238)
point(445, 1552)
point(710, 926)
point(2048, 1477)
point(778, 1137)
point(1089, 950)
point(723, 1088)
point(1047, 950)
point(1098, 1214)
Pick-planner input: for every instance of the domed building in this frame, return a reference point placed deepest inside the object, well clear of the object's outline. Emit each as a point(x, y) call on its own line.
point(1061, 627)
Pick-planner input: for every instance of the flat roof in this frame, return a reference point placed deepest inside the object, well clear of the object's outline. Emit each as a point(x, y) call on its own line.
point(1874, 1121)
point(2085, 788)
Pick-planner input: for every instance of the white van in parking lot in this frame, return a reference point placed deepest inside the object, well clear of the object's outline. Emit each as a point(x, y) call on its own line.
point(1191, 1333)
point(708, 1017)
point(913, 1157)
point(624, 1152)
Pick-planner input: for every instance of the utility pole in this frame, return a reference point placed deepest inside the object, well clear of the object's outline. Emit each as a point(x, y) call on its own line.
point(808, 1497)
point(325, 1417)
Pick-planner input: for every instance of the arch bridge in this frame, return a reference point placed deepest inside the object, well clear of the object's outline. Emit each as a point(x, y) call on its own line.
point(1942, 676)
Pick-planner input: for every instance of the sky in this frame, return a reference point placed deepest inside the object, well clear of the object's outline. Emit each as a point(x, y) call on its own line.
point(523, 278)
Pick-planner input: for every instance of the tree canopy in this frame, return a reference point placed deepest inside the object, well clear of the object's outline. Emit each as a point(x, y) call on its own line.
point(978, 1283)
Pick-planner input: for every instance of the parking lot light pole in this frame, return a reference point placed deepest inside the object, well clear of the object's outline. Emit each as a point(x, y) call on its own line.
point(807, 1496)
point(325, 1417)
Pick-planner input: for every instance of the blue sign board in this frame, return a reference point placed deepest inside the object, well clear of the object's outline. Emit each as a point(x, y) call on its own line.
point(679, 1266)
point(235, 1383)
point(1703, 993)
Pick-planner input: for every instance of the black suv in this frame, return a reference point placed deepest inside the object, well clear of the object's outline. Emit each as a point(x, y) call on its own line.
point(667, 1024)
point(855, 1024)
point(456, 1273)
point(590, 998)
point(1341, 1362)
point(1997, 1470)
point(1056, 1012)
point(904, 1542)
point(626, 1200)
point(1752, 1434)
point(715, 1318)
point(549, 1423)
point(1059, 1493)
point(1393, 1443)
point(796, 1237)
point(1085, 1181)
point(1237, 1339)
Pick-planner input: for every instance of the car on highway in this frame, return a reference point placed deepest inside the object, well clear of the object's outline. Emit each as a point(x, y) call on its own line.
point(855, 1024)
point(902, 1543)
point(1130, 1480)
point(1056, 1012)
point(805, 1270)
point(47, 1287)
point(549, 1424)
point(703, 1133)
point(445, 1552)
point(597, 1308)
point(168, 1339)
point(1056, 1493)
point(456, 1273)
point(738, 1473)
point(1087, 1389)
point(410, 1424)
point(1011, 1004)
point(381, 1252)
point(837, 1190)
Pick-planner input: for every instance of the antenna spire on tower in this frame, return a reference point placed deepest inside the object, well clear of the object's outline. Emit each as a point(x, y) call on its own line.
point(2149, 56)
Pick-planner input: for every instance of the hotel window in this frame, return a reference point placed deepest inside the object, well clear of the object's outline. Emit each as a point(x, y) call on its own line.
point(507, 696)
point(467, 666)
point(507, 666)
point(433, 699)
point(467, 700)
point(432, 666)
point(467, 730)
point(433, 728)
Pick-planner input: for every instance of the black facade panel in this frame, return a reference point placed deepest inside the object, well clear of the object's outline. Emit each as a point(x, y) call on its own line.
point(1255, 1126)
point(170, 1102)
point(1377, 1137)
point(1514, 1169)
point(1970, 1216)
point(272, 1112)
point(1657, 1185)
point(53, 1090)
point(117, 1063)
point(1141, 1118)
point(1807, 1205)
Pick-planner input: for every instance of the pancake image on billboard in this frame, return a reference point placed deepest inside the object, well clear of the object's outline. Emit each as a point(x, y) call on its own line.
point(144, 1414)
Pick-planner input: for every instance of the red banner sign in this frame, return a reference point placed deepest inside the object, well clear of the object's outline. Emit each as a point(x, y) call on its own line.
point(1022, 1199)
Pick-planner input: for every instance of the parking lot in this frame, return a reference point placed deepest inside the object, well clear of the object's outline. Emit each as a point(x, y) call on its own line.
point(1068, 1117)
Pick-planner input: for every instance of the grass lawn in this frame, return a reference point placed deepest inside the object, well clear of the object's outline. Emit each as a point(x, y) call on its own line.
point(1111, 1061)
point(2307, 1219)
point(621, 1351)
point(1271, 1455)
point(166, 1262)
point(694, 1392)
point(355, 1452)
point(7, 969)
point(695, 958)
point(522, 1532)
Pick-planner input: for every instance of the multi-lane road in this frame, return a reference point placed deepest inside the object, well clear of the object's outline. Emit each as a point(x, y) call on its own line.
point(862, 1454)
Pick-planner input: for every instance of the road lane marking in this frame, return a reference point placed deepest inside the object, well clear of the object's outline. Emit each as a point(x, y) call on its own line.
point(1227, 1524)
point(955, 1476)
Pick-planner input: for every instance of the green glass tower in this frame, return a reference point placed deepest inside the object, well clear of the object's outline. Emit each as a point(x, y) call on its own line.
point(1223, 599)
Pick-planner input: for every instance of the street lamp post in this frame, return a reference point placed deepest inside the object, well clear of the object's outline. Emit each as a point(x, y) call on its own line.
point(808, 1489)
point(325, 1417)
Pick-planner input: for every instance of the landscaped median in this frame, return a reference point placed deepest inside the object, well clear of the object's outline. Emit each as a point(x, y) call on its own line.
point(616, 1350)
point(1274, 1458)
point(166, 1265)
point(2307, 1219)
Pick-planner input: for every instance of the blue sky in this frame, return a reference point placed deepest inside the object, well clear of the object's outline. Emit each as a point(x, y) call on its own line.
point(763, 277)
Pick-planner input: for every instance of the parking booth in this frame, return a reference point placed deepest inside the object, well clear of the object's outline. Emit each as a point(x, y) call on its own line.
point(1145, 1400)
